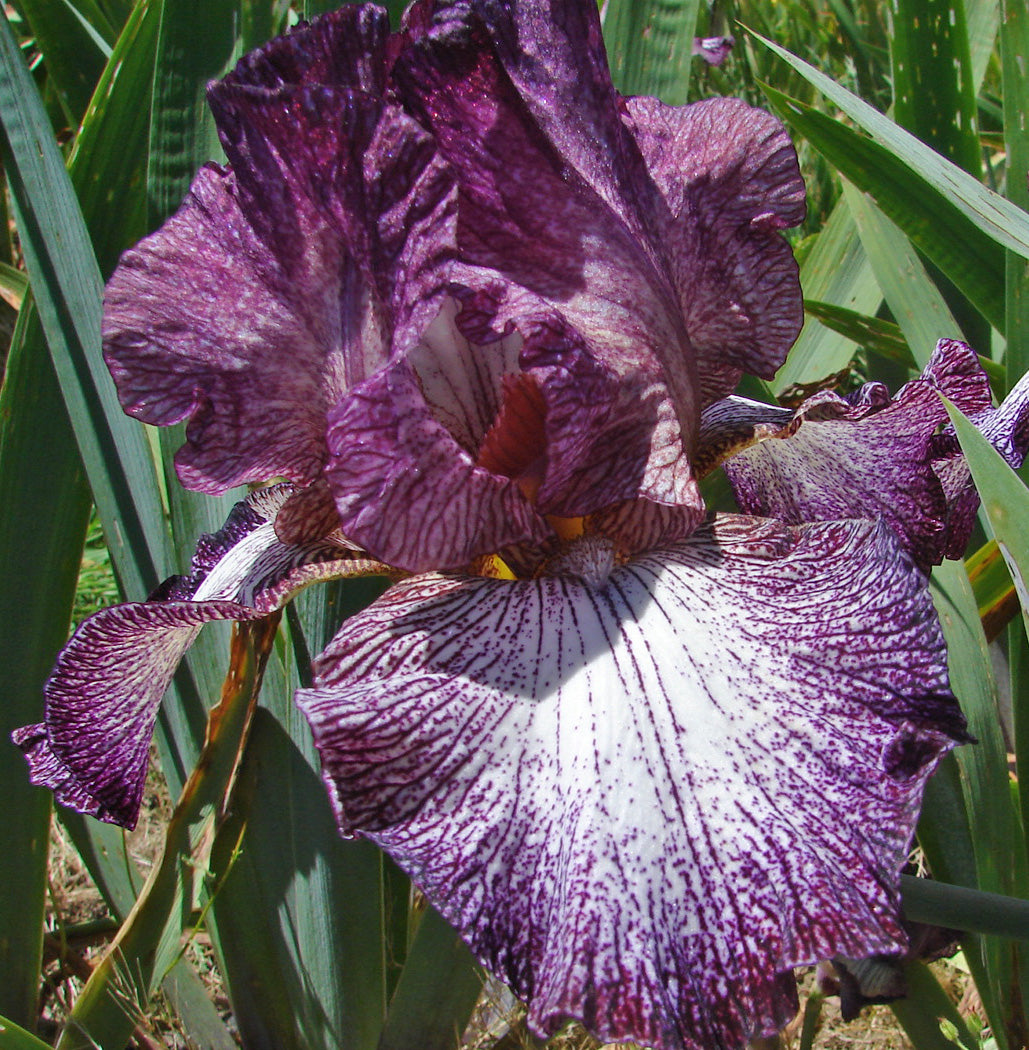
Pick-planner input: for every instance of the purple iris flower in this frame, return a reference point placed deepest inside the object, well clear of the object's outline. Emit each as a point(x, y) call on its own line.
point(482, 318)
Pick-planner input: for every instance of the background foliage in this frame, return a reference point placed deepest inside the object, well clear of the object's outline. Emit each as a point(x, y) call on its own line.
point(911, 126)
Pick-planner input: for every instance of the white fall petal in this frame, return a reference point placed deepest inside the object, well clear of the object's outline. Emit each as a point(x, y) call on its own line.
point(643, 800)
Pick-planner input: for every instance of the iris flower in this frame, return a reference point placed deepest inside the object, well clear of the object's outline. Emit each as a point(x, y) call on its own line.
point(482, 318)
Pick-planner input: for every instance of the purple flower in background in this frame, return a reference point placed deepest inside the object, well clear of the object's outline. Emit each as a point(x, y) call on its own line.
point(485, 318)
point(713, 49)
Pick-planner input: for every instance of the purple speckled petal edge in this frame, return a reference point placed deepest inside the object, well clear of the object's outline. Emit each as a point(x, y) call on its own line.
point(103, 695)
point(864, 456)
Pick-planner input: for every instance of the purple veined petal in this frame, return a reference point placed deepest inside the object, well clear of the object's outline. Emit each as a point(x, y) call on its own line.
point(290, 277)
point(461, 382)
point(643, 800)
point(714, 50)
point(734, 424)
point(642, 525)
point(408, 492)
point(103, 695)
point(608, 437)
point(729, 177)
point(102, 699)
point(864, 456)
point(346, 48)
point(460, 449)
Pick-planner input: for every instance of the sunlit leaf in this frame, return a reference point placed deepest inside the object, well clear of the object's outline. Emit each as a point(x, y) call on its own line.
point(994, 592)
point(954, 223)
point(987, 211)
point(913, 299)
point(650, 44)
point(836, 272)
point(42, 528)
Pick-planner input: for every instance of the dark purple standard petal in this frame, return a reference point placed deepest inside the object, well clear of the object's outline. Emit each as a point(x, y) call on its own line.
point(866, 456)
point(294, 274)
point(106, 687)
point(559, 217)
point(729, 178)
point(644, 798)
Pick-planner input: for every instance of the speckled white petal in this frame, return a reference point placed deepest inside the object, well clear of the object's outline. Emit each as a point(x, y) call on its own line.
point(644, 800)
point(108, 681)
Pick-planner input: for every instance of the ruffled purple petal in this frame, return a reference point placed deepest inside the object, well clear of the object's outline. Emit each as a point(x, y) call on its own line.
point(293, 275)
point(559, 215)
point(608, 437)
point(348, 48)
point(644, 798)
point(102, 701)
point(865, 456)
point(1007, 429)
point(105, 690)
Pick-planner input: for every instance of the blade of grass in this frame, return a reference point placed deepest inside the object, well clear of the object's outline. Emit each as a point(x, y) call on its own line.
point(1014, 50)
point(836, 271)
point(182, 133)
point(438, 989)
point(934, 99)
point(1014, 45)
point(885, 338)
point(937, 209)
point(933, 92)
point(320, 898)
point(13, 285)
point(994, 592)
point(922, 1009)
point(46, 509)
point(74, 50)
point(994, 822)
point(983, 20)
point(650, 44)
point(915, 302)
point(13, 1037)
point(988, 212)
